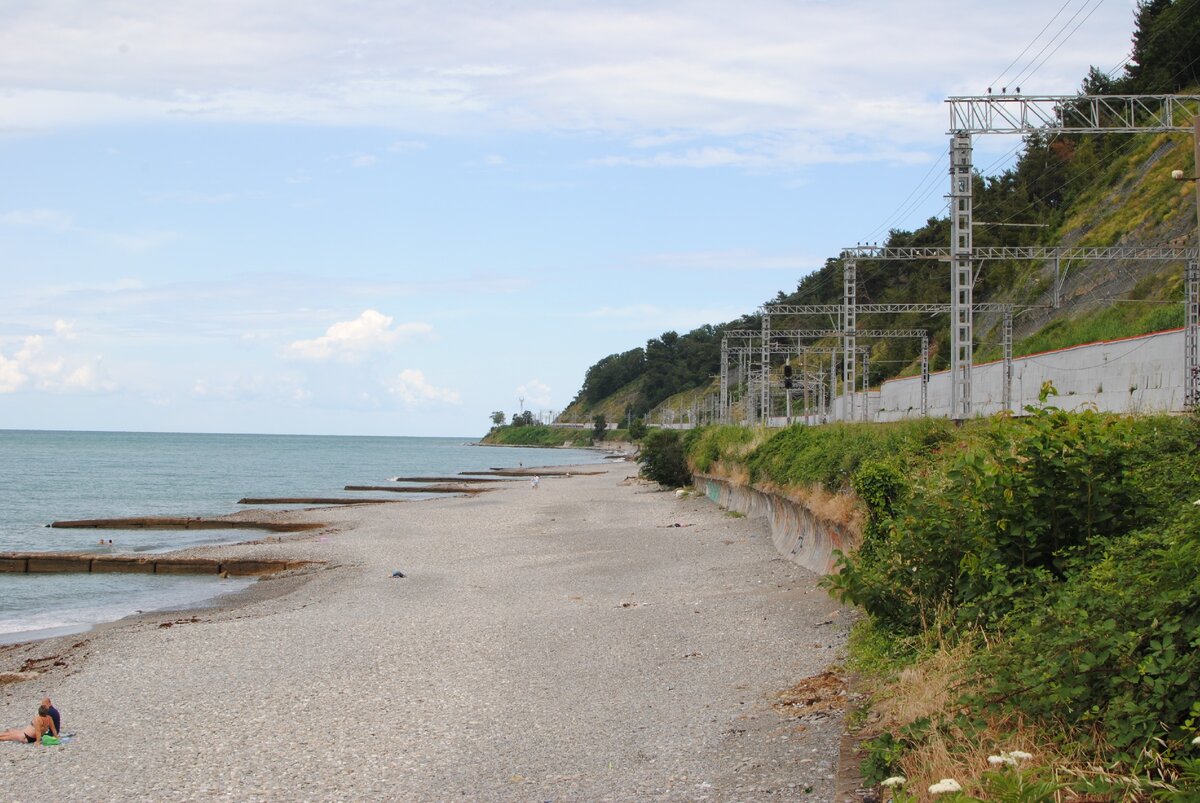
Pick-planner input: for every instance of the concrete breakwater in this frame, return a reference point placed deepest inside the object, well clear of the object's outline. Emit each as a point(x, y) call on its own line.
point(57, 562)
point(800, 535)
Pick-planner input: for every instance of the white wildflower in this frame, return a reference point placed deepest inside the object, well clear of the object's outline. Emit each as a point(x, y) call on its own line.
point(895, 780)
point(944, 786)
point(1196, 740)
point(996, 761)
point(1018, 755)
point(1196, 503)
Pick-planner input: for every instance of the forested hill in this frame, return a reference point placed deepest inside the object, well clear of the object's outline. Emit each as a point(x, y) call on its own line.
point(1106, 189)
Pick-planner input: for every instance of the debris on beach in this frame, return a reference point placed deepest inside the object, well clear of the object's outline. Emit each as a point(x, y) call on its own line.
point(398, 573)
point(814, 697)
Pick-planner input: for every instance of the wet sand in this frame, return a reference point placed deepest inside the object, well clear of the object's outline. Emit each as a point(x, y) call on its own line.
point(559, 643)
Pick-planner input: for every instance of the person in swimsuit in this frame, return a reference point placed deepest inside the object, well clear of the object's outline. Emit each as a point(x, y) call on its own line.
point(42, 723)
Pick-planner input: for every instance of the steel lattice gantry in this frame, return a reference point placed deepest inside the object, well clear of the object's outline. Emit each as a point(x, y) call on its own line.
point(1050, 114)
point(849, 335)
point(1078, 114)
point(962, 319)
point(746, 347)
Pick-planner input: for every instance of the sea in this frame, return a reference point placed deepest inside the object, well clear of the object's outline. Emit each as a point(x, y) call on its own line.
point(52, 476)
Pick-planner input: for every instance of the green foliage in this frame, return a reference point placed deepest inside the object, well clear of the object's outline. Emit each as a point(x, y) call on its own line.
point(611, 374)
point(599, 427)
point(1166, 48)
point(1071, 540)
point(707, 445)
point(999, 522)
point(830, 455)
point(663, 460)
point(1109, 323)
point(523, 419)
point(538, 435)
point(1115, 646)
point(637, 429)
point(498, 418)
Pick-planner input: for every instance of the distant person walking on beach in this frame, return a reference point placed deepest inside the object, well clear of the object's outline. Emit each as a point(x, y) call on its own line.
point(534, 482)
point(42, 723)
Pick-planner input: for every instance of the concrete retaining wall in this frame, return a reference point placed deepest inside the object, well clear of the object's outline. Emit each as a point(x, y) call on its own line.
point(799, 535)
point(1134, 375)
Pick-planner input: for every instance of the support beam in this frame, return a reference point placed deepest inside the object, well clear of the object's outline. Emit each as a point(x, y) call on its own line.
point(849, 324)
point(1008, 359)
point(1191, 338)
point(724, 401)
point(962, 277)
point(925, 376)
point(1080, 114)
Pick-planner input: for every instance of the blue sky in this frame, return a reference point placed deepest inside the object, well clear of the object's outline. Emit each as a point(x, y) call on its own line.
point(396, 217)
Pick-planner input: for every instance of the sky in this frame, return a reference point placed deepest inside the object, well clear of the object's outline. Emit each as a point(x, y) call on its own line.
point(394, 218)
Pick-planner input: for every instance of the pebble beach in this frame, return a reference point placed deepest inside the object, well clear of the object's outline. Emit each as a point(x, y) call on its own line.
point(563, 642)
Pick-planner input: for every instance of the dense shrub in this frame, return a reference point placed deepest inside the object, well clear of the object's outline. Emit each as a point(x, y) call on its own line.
point(1115, 646)
point(1000, 522)
point(662, 458)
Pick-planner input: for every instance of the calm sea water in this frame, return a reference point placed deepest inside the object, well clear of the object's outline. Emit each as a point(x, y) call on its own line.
point(50, 476)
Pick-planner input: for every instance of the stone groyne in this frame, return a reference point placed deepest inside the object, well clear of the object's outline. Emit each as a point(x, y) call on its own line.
point(800, 535)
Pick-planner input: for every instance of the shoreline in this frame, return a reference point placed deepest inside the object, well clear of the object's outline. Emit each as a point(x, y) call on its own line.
point(565, 642)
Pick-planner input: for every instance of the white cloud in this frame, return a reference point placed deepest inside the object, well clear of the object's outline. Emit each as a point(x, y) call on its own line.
point(535, 393)
point(11, 375)
point(352, 340)
point(38, 218)
point(407, 146)
point(65, 330)
point(39, 362)
point(801, 70)
point(411, 387)
point(363, 160)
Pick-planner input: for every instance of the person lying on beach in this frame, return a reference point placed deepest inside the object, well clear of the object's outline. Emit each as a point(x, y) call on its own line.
point(42, 723)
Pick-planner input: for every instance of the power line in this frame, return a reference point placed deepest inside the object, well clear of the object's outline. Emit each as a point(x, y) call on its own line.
point(1030, 73)
point(996, 80)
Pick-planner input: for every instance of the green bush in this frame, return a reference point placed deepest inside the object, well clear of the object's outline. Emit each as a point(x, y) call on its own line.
point(663, 460)
point(830, 455)
point(999, 522)
point(707, 445)
point(1115, 647)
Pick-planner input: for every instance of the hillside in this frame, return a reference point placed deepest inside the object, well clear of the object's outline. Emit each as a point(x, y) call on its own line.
point(1071, 190)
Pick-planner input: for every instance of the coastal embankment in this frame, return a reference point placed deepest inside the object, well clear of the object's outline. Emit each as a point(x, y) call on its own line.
point(800, 534)
point(590, 638)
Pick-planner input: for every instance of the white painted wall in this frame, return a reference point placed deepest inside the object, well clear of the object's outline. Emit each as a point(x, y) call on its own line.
point(1138, 374)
